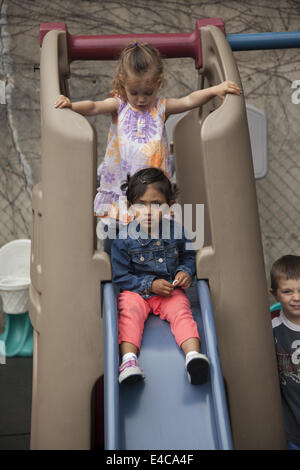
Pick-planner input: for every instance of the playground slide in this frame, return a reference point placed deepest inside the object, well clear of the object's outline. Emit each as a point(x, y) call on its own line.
point(165, 411)
point(213, 167)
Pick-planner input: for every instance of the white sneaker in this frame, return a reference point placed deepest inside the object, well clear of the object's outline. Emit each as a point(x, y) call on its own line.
point(130, 372)
point(197, 367)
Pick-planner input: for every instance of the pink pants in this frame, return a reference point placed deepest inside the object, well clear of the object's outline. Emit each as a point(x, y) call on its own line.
point(134, 311)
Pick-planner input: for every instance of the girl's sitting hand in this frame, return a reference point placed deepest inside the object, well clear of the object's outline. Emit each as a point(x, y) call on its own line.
point(63, 102)
point(223, 88)
point(162, 287)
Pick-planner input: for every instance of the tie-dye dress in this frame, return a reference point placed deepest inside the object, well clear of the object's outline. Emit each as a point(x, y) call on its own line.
point(137, 139)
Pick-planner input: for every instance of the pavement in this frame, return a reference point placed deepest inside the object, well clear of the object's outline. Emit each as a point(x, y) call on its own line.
point(15, 403)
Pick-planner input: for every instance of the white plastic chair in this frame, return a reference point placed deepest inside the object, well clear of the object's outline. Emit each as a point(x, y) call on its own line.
point(14, 290)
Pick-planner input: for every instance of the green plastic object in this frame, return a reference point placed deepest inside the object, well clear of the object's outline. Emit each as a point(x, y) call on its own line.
point(276, 306)
point(18, 335)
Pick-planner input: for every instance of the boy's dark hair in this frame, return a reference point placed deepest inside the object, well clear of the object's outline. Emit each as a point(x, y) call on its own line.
point(287, 267)
point(136, 185)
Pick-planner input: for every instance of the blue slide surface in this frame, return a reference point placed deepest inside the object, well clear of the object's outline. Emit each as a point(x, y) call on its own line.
point(164, 411)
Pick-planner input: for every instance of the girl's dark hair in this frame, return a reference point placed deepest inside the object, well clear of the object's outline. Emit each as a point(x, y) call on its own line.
point(137, 59)
point(286, 267)
point(136, 185)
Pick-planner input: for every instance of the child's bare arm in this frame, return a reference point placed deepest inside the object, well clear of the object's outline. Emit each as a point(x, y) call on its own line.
point(200, 97)
point(88, 108)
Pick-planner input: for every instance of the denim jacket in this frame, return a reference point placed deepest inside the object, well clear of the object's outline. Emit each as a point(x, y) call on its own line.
point(137, 259)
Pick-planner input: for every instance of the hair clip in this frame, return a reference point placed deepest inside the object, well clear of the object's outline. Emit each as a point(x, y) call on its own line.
point(134, 44)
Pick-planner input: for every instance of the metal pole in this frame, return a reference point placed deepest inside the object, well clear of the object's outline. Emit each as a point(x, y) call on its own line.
point(260, 41)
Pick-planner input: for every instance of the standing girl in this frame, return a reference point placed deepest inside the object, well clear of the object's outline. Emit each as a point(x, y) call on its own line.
point(137, 137)
point(152, 266)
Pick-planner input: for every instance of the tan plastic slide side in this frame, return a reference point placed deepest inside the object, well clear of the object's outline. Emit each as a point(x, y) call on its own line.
point(66, 269)
point(214, 167)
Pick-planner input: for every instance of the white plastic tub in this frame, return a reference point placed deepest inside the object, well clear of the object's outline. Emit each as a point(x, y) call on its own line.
point(15, 276)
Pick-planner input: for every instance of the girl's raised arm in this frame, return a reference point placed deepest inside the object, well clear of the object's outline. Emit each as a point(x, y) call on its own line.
point(200, 97)
point(88, 108)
